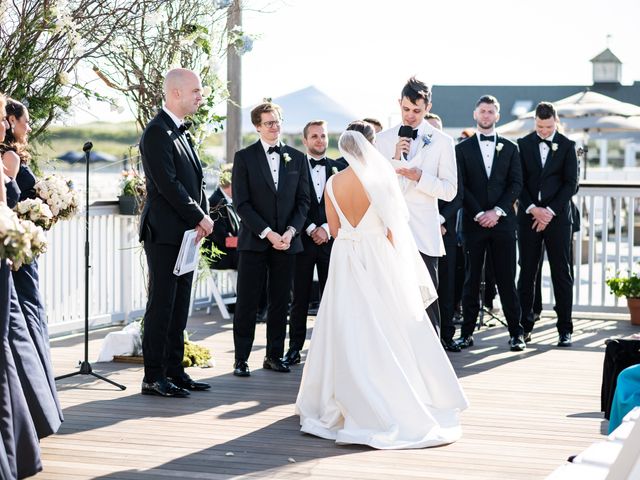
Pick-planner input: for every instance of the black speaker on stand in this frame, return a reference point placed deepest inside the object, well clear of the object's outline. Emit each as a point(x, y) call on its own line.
point(85, 366)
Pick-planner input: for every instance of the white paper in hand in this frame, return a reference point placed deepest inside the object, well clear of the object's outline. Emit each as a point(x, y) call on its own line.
point(189, 254)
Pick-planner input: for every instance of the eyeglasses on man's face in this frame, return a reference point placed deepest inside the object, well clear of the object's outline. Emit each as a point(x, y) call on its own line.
point(271, 123)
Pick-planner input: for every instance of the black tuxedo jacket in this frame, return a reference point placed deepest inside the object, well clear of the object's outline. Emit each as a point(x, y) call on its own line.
point(258, 202)
point(176, 199)
point(556, 183)
point(317, 213)
point(224, 225)
point(483, 193)
point(449, 210)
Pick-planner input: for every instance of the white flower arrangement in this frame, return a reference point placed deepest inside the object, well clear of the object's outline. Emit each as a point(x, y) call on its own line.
point(21, 241)
point(59, 195)
point(286, 158)
point(554, 147)
point(36, 211)
point(499, 147)
point(334, 170)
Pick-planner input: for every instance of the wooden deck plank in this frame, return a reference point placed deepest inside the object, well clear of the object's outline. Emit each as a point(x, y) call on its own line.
point(529, 412)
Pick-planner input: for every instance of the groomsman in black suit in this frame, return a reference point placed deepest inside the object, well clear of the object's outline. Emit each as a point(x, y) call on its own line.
point(270, 183)
point(226, 224)
point(447, 263)
point(316, 240)
point(492, 178)
point(175, 202)
point(550, 173)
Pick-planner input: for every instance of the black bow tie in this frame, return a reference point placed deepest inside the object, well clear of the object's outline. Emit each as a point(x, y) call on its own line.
point(414, 134)
point(185, 126)
point(487, 138)
point(274, 149)
point(547, 142)
point(314, 163)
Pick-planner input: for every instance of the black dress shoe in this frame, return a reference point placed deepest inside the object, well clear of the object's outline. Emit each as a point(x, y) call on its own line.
point(527, 337)
point(275, 364)
point(516, 344)
point(465, 341)
point(163, 388)
point(450, 345)
point(188, 383)
point(241, 369)
point(564, 340)
point(292, 357)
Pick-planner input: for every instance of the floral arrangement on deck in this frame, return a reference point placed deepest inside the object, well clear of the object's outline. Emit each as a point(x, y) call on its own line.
point(59, 195)
point(132, 184)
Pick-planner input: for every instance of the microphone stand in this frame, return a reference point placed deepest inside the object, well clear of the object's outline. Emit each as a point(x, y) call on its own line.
point(85, 366)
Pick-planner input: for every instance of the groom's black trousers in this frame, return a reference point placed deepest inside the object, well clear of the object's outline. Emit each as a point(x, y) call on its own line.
point(252, 267)
point(433, 310)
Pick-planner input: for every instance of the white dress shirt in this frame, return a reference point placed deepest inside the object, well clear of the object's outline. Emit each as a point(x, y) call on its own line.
point(488, 150)
point(544, 154)
point(274, 161)
point(176, 120)
point(319, 180)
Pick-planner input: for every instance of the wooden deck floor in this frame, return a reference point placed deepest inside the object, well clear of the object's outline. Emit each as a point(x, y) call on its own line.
point(529, 412)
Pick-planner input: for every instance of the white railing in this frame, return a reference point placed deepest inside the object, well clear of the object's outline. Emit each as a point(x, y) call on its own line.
point(117, 288)
point(610, 213)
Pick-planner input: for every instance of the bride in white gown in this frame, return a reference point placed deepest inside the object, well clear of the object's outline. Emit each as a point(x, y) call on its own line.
point(375, 373)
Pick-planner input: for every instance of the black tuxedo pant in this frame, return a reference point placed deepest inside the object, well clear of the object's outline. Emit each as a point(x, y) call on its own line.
point(446, 291)
point(166, 315)
point(433, 310)
point(502, 245)
point(557, 242)
point(254, 268)
point(312, 256)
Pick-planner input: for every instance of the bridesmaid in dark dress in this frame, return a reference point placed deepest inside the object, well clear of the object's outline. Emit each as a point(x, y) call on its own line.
point(27, 301)
point(19, 448)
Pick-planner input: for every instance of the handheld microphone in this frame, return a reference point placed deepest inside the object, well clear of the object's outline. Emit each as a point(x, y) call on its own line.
point(406, 131)
point(87, 146)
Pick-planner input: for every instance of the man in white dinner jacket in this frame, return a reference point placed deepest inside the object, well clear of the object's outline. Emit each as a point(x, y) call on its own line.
point(424, 158)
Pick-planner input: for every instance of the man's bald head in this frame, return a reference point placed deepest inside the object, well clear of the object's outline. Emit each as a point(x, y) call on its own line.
point(182, 91)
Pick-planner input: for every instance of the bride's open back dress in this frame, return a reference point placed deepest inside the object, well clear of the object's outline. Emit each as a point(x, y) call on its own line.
point(375, 373)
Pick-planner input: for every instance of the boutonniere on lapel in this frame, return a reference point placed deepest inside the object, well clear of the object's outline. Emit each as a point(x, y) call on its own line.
point(554, 148)
point(334, 170)
point(499, 147)
point(286, 158)
point(426, 139)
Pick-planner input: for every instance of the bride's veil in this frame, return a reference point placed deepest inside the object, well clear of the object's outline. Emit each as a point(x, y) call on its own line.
point(380, 182)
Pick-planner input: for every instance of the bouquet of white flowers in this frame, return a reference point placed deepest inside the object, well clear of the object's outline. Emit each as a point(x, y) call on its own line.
point(36, 211)
point(59, 195)
point(20, 240)
point(37, 243)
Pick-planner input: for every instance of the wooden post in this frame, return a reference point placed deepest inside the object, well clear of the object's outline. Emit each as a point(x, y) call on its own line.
point(234, 79)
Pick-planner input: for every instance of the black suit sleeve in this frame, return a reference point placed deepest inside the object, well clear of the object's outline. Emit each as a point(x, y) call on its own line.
point(160, 167)
point(471, 204)
point(242, 197)
point(301, 208)
point(526, 197)
point(450, 209)
point(514, 182)
point(570, 180)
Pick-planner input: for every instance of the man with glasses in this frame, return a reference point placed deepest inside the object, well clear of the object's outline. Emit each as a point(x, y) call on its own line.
point(270, 183)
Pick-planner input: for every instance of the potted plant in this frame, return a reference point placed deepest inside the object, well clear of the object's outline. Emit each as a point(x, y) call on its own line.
point(132, 193)
point(628, 286)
